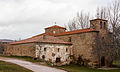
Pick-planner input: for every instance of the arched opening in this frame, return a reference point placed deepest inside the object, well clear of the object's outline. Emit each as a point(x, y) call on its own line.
point(101, 25)
point(104, 25)
point(102, 61)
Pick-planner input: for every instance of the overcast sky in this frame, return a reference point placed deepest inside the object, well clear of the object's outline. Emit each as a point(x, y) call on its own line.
point(26, 18)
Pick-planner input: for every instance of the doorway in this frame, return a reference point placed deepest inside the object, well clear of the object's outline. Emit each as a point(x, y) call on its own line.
point(58, 60)
point(102, 61)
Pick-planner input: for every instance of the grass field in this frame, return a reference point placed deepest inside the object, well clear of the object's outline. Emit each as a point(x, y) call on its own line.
point(76, 68)
point(117, 62)
point(8, 67)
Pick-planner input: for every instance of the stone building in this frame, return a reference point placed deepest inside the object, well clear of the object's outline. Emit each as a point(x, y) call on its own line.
point(83, 43)
point(42, 46)
point(3, 44)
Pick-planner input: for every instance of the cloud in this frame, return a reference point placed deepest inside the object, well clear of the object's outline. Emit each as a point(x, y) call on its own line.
point(25, 18)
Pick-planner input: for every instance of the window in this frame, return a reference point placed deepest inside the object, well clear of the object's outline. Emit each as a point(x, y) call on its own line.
point(58, 49)
point(66, 50)
point(103, 38)
point(104, 25)
point(43, 57)
point(69, 39)
point(45, 49)
point(101, 25)
point(54, 32)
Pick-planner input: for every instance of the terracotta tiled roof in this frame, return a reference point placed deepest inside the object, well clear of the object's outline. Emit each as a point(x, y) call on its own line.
point(55, 26)
point(40, 38)
point(76, 31)
point(50, 37)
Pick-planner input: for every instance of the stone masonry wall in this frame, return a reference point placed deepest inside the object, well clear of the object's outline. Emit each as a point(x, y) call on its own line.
point(82, 44)
point(21, 50)
point(57, 30)
point(50, 52)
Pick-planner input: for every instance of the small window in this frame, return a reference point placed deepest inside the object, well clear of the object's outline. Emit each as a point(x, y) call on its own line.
point(58, 60)
point(69, 39)
point(43, 57)
point(104, 25)
point(103, 38)
point(66, 50)
point(45, 49)
point(54, 32)
point(58, 49)
point(101, 25)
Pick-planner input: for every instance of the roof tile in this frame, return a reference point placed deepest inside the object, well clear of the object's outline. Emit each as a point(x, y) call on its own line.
point(76, 31)
point(40, 38)
point(50, 37)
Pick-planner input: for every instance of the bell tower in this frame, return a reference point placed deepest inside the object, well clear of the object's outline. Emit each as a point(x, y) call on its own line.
point(100, 25)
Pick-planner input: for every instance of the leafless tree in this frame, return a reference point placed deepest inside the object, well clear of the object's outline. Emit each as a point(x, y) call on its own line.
point(81, 21)
point(101, 13)
point(114, 21)
point(112, 14)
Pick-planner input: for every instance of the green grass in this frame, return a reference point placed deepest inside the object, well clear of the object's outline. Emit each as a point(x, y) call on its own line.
point(70, 68)
point(26, 58)
point(8, 67)
point(117, 62)
point(76, 68)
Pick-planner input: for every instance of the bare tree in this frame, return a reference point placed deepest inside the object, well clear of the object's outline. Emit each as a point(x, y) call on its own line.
point(112, 14)
point(114, 21)
point(101, 13)
point(81, 21)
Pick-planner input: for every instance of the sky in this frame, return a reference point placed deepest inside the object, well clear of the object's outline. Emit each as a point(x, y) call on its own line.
point(21, 19)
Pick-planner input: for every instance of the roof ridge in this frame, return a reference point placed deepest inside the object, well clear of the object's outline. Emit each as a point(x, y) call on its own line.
point(76, 31)
point(55, 26)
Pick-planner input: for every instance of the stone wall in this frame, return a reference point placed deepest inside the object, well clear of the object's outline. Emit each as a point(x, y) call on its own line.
point(57, 30)
point(100, 25)
point(82, 44)
point(59, 54)
point(21, 50)
point(48, 52)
